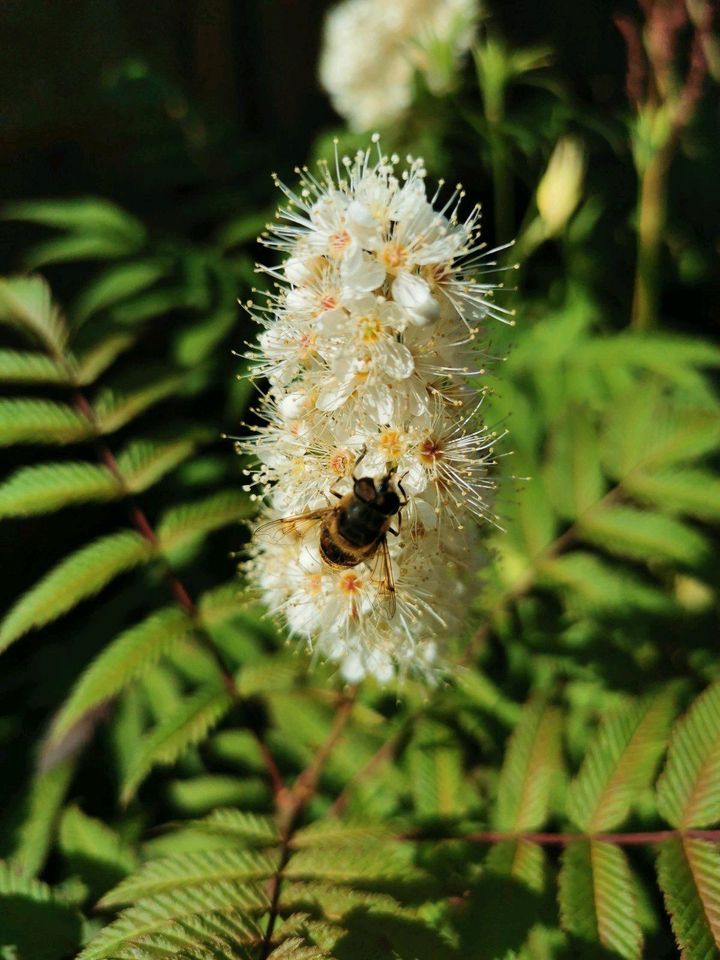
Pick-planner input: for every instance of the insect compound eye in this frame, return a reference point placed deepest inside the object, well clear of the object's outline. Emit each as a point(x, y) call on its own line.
point(364, 490)
point(389, 503)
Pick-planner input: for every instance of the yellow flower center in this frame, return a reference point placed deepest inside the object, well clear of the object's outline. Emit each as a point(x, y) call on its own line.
point(391, 444)
point(339, 463)
point(350, 583)
point(306, 343)
point(370, 328)
point(313, 584)
point(338, 242)
point(393, 256)
point(430, 451)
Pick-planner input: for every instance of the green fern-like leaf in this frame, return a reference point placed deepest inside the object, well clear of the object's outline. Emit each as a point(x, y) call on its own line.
point(95, 357)
point(642, 535)
point(650, 432)
point(531, 762)
point(182, 526)
point(573, 477)
point(248, 829)
point(598, 586)
point(51, 486)
point(116, 408)
point(688, 792)
point(34, 922)
point(24, 366)
point(298, 949)
point(186, 726)
point(25, 420)
point(187, 870)
point(214, 936)
point(116, 284)
point(79, 246)
point(155, 916)
point(223, 604)
point(144, 462)
point(26, 302)
point(435, 767)
point(662, 353)
point(695, 492)
point(34, 835)
point(85, 214)
point(522, 860)
point(689, 876)
point(122, 660)
point(620, 762)
point(597, 899)
point(94, 851)
point(355, 860)
point(81, 575)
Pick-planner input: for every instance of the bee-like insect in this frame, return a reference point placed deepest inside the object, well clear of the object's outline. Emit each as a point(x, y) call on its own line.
point(354, 530)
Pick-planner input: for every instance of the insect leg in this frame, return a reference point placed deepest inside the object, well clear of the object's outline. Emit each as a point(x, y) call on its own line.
point(359, 460)
point(402, 491)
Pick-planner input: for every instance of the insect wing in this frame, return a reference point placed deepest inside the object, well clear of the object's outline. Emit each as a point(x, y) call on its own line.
point(384, 581)
point(277, 531)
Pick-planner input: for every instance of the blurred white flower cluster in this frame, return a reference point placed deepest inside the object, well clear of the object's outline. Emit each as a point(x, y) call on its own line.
point(372, 48)
point(369, 348)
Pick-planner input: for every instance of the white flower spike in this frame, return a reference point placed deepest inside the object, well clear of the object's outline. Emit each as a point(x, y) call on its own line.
point(373, 462)
point(372, 48)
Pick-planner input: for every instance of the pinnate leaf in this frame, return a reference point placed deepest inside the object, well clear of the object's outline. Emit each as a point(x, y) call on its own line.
point(619, 764)
point(119, 663)
point(190, 869)
point(34, 921)
point(85, 214)
point(144, 462)
point(25, 366)
point(688, 490)
point(532, 761)
point(181, 526)
point(642, 535)
point(688, 792)
point(34, 835)
point(118, 283)
point(574, 480)
point(50, 486)
point(597, 899)
point(689, 877)
point(26, 302)
point(81, 575)
point(115, 408)
point(158, 913)
point(30, 420)
point(187, 725)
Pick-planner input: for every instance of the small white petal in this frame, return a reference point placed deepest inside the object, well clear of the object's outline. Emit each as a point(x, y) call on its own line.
point(332, 323)
point(334, 395)
point(413, 293)
point(397, 360)
point(294, 405)
point(362, 272)
point(353, 669)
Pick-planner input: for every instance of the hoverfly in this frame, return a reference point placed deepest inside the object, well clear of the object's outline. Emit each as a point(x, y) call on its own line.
point(355, 529)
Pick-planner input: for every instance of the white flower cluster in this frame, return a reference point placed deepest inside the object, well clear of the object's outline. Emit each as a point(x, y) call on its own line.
point(369, 348)
point(372, 48)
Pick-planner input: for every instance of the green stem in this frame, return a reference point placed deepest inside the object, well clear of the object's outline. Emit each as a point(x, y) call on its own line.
point(651, 224)
point(502, 187)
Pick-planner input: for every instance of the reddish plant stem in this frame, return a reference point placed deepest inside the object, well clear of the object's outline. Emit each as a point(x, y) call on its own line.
point(620, 839)
point(290, 804)
point(142, 524)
